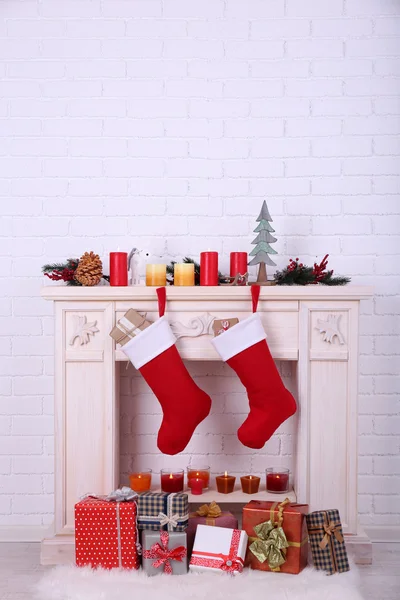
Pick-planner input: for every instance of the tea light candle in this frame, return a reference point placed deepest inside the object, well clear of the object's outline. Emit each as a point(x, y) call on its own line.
point(140, 482)
point(184, 274)
point(250, 484)
point(196, 486)
point(118, 268)
point(199, 473)
point(225, 483)
point(156, 275)
point(209, 268)
point(171, 481)
point(277, 480)
point(238, 264)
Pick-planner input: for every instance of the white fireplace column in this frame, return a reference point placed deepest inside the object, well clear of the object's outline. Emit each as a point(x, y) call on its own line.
point(315, 326)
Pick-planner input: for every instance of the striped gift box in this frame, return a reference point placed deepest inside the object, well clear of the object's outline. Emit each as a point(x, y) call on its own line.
point(162, 511)
point(327, 542)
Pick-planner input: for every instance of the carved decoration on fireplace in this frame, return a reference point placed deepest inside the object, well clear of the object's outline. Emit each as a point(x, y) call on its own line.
point(83, 330)
point(330, 329)
point(197, 326)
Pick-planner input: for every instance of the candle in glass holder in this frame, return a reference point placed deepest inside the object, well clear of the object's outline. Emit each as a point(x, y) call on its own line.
point(156, 275)
point(184, 274)
point(238, 264)
point(118, 268)
point(250, 484)
point(277, 480)
point(199, 472)
point(225, 483)
point(196, 486)
point(140, 481)
point(171, 481)
point(209, 268)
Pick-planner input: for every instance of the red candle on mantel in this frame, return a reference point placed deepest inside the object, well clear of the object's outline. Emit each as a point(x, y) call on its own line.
point(118, 268)
point(277, 481)
point(209, 268)
point(171, 482)
point(238, 264)
point(196, 486)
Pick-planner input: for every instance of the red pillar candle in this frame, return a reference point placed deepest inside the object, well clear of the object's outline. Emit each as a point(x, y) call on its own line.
point(196, 486)
point(171, 481)
point(209, 268)
point(238, 264)
point(118, 268)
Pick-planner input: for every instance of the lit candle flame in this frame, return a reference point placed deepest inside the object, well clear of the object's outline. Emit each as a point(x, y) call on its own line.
point(197, 474)
point(139, 476)
point(251, 476)
point(226, 474)
point(171, 476)
point(278, 476)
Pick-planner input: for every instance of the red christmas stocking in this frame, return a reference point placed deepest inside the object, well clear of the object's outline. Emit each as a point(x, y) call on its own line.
point(184, 404)
point(245, 349)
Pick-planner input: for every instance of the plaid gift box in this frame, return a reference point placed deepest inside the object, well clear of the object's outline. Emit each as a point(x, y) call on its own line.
point(327, 543)
point(160, 510)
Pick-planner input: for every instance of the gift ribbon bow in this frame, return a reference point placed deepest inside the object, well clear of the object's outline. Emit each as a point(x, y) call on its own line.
point(124, 494)
point(227, 562)
point(162, 555)
point(209, 510)
point(173, 520)
point(330, 529)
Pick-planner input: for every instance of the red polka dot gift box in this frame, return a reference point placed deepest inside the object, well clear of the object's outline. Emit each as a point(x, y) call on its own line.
point(106, 534)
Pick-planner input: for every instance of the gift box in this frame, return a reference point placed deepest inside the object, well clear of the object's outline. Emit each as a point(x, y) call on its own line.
point(128, 326)
point(278, 539)
point(327, 542)
point(218, 549)
point(164, 552)
point(160, 510)
point(105, 533)
point(211, 515)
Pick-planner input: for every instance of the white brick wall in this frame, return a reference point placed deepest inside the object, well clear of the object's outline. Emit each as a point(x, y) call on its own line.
point(164, 124)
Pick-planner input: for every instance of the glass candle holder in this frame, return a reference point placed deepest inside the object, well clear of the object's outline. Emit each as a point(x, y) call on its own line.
point(184, 274)
point(225, 483)
point(277, 480)
point(171, 481)
point(250, 484)
point(156, 275)
point(199, 472)
point(196, 486)
point(140, 481)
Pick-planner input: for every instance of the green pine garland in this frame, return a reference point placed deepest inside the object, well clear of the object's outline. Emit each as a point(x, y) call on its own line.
point(298, 274)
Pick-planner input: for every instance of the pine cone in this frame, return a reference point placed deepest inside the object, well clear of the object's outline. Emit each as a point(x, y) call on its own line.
point(89, 270)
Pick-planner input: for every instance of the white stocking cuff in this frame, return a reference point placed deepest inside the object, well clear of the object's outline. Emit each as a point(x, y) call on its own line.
point(241, 336)
point(149, 343)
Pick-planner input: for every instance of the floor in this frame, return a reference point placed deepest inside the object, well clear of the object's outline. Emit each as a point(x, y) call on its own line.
point(20, 569)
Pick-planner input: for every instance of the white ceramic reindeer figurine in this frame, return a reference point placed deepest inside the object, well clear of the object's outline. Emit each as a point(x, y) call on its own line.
point(136, 264)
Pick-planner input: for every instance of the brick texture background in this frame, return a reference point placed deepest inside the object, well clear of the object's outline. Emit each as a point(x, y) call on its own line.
point(164, 124)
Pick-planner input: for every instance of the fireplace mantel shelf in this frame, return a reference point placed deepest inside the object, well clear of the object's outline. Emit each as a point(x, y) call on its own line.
point(315, 327)
point(198, 293)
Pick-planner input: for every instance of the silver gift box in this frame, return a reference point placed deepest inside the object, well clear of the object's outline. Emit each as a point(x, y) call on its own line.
point(176, 539)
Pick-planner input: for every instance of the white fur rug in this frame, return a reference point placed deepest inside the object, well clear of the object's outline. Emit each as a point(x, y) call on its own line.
point(71, 583)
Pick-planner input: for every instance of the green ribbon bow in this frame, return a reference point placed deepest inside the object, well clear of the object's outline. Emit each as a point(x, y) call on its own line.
point(270, 544)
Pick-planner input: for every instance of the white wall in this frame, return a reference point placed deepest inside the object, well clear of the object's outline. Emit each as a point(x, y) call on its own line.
point(164, 124)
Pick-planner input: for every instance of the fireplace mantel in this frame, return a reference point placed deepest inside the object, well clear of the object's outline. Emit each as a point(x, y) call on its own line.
point(315, 326)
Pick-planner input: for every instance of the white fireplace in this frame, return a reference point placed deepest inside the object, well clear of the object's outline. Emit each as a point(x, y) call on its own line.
point(314, 328)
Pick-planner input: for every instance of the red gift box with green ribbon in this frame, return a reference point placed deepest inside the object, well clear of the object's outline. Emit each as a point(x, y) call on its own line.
point(278, 539)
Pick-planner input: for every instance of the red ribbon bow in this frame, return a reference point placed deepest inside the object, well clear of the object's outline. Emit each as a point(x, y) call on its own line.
point(230, 562)
point(163, 555)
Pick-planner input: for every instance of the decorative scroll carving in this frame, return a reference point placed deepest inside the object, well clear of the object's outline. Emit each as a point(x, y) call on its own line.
point(83, 330)
point(330, 329)
point(195, 327)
